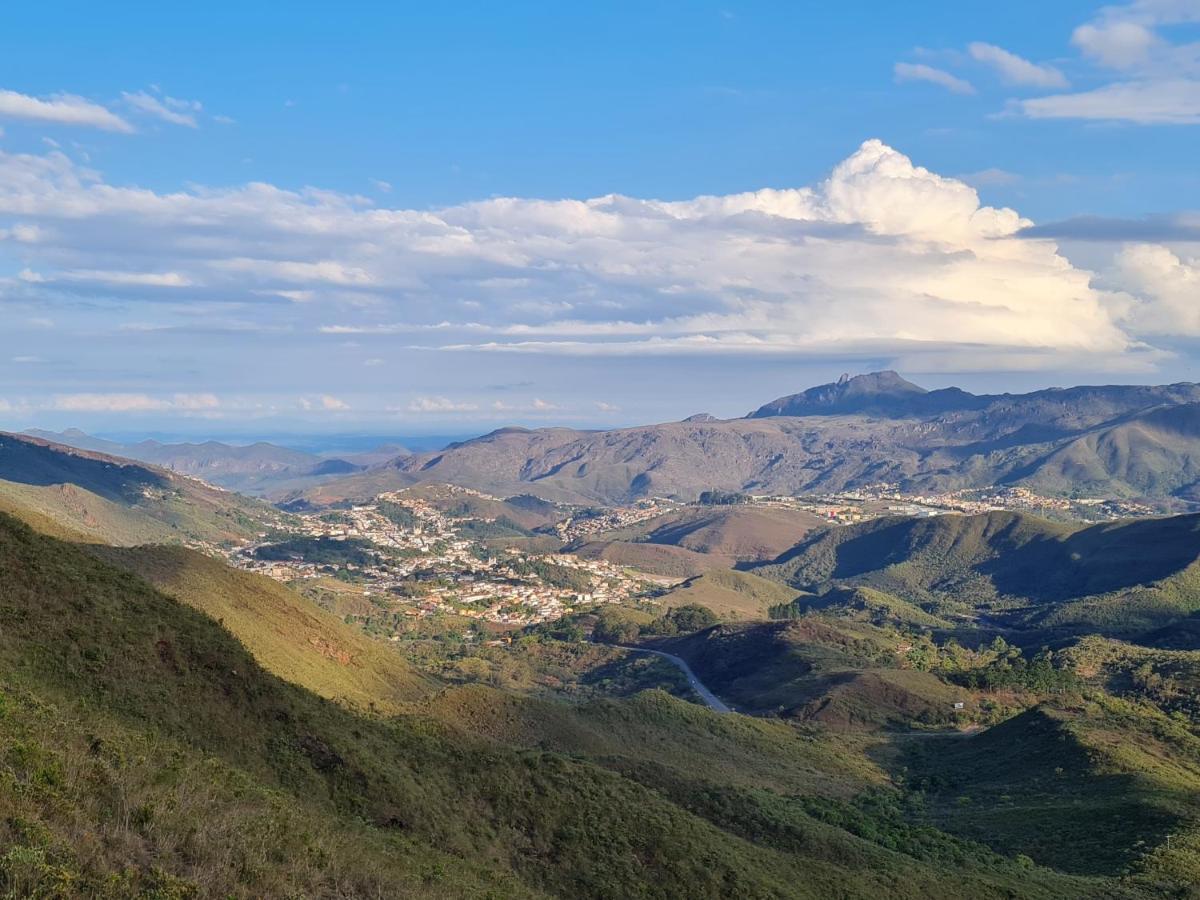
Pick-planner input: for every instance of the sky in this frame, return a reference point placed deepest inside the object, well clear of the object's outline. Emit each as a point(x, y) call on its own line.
point(404, 219)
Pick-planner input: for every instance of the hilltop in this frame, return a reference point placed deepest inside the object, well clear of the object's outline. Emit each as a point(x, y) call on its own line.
point(250, 468)
point(1013, 570)
point(1122, 441)
point(89, 495)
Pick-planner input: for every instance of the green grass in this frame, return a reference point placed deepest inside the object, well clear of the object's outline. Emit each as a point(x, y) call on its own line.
point(730, 594)
point(1090, 787)
point(287, 634)
point(145, 750)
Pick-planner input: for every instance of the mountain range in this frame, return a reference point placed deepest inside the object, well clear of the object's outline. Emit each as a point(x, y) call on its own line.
point(92, 496)
point(1120, 441)
point(984, 706)
point(251, 468)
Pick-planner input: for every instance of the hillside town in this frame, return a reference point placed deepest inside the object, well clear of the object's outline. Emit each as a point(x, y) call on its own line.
point(878, 500)
point(404, 550)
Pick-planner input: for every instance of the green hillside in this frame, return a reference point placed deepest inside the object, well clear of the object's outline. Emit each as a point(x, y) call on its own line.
point(146, 751)
point(838, 672)
point(288, 635)
point(863, 603)
point(80, 494)
point(730, 594)
point(1020, 571)
point(1093, 787)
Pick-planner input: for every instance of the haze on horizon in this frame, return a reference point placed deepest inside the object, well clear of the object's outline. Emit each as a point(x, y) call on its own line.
point(418, 222)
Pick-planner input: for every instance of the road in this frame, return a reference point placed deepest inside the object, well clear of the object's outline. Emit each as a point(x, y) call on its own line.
point(711, 700)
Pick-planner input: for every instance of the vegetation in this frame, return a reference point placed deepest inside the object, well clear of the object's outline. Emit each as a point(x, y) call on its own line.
point(146, 751)
point(321, 551)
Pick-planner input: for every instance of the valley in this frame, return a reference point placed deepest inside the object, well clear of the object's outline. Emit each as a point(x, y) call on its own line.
point(988, 689)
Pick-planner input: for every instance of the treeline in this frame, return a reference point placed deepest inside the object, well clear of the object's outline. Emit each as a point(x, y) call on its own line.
point(554, 575)
point(320, 551)
point(723, 498)
point(680, 620)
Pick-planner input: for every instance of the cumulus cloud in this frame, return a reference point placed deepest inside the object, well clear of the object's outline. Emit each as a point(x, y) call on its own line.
point(1116, 44)
point(61, 109)
point(168, 109)
point(1164, 289)
point(883, 258)
point(1014, 69)
point(920, 72)
point(132, 403)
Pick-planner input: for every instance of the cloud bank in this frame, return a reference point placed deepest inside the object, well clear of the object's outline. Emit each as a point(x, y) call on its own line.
point(883, 258)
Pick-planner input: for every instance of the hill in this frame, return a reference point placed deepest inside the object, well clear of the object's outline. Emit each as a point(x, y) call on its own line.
point(736, 532)
point(655, 559)
point(91, 495)
point(1110, 441)
point(149, 753)
point(249, 468)
point(816, 669)
point(730, 594)
point(1018, 571)
point(287, 635)
point(1088, 788)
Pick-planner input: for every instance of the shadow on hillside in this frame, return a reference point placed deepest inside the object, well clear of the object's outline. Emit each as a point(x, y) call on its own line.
point(1020, 555)
point(33, 463)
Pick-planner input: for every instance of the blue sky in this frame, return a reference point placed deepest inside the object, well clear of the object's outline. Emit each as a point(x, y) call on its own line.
point(228, 220)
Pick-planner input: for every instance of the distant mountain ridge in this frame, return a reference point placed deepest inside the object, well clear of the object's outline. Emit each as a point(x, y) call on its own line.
point(88, 495)
point(249, 468)
point(1121, 441)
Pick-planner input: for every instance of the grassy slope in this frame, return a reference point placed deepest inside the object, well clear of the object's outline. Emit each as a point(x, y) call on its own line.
point(1121, 576)
point(70, 512)
point(287, 634)
point(141, 684)
point(73, 492)
point(741, 533)
point(839, 673)
point(1089, 788)
point(654, 727)
point(730, 594)
point(656, 559)
point(866, 604)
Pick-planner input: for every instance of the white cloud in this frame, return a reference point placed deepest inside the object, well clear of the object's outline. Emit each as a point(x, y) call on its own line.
point(921, 72)
point(132, 402)
point(1118, 45)
point(1157, 81)
point(1149, 102)
point(326, 402)
point(100, 276)
point(440, 405)
point(1164, 288)
point(882, 258)
point(169, 109)
point(606, 407)
point(62, 109)
point(1015, 69)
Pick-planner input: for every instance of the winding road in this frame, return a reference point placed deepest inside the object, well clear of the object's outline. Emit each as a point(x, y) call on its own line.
point(711, 700)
